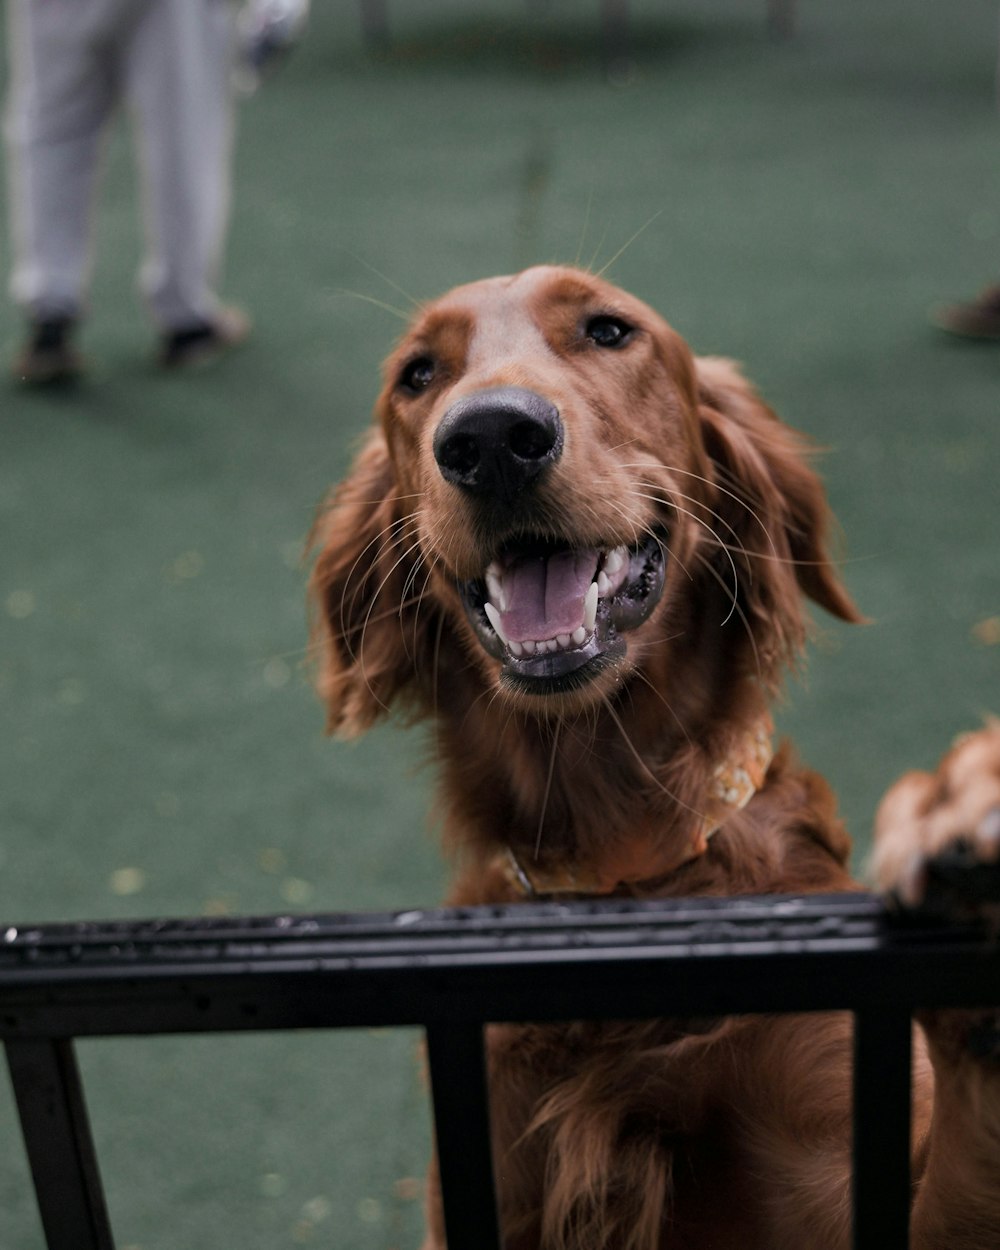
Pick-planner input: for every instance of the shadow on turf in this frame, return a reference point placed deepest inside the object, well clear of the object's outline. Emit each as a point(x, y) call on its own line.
point(481, 45)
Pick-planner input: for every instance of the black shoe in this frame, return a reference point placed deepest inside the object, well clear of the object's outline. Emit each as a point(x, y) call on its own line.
point(48, 357)
point(978, 319)
point(200, 344)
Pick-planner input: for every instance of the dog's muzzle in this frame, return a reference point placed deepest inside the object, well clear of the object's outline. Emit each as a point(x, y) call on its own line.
point(554, 614)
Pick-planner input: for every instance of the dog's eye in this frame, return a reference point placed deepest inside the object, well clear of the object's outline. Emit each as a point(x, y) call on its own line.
point(608, 331)
point(417, 375)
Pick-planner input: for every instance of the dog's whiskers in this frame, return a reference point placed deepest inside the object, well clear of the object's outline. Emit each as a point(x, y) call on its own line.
point(651, 532)
point(377, 303)
point(548, 784)
point(628, 243)
point(734, 592)
point(630, 521)
point(586, 225)
point(411, 577)
point(390, 535)
point(413, 301)
point(418, 604)
point(716, 576)
point(666, 494)
point(642, 677)
point(414, 546)
point(435, 664)
point(700, 477)
point(633, 750)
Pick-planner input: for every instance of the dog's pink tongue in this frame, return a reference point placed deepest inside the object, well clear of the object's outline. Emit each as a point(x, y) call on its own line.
point(545, 594)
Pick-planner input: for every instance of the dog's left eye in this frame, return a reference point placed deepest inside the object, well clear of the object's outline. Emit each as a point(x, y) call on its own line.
point(608, 331)
point(417, 375)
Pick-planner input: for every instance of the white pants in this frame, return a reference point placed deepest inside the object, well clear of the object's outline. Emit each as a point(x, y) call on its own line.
point(71, 63)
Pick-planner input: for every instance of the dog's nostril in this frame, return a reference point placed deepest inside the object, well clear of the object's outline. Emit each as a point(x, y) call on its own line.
point(497, 442)
point(531, 440)
point(459, 454)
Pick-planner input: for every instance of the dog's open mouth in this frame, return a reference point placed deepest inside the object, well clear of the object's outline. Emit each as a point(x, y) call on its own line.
point(555, 615)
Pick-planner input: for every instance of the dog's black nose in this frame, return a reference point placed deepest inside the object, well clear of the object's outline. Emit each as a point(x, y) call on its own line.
point(498, 441)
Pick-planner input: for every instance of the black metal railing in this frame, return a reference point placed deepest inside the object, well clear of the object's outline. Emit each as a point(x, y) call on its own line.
point(453, 971)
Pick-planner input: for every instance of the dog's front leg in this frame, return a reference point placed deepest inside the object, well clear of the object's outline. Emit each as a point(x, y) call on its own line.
point(938, 843)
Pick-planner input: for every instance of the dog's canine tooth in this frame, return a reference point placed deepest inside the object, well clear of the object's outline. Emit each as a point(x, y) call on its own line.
point(494, 585)
point(493, 615)
point(590, 608)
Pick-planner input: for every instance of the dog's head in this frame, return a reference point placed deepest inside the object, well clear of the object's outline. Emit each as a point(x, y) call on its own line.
point(558, 497)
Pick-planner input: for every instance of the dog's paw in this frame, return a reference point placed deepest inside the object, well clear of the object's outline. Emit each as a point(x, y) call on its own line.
point(937, 835)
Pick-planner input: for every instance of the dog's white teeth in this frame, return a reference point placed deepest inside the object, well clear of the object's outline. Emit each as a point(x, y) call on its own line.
point(548, 646)
point(494, 585)
point(493, 615)
point(614, 566)
point(590, 607)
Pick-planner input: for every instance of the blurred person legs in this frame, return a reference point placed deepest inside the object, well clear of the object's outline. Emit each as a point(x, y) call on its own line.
point(60, 96)
point(71, 63)
point(185, 116)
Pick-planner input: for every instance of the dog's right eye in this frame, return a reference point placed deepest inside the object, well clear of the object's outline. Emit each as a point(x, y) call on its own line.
point(608, 331)
point(417, 375)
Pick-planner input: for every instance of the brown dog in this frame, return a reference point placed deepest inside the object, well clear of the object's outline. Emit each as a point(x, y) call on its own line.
point(581, 553)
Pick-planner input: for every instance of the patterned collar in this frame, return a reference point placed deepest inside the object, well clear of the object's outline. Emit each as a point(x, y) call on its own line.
point(733, 784)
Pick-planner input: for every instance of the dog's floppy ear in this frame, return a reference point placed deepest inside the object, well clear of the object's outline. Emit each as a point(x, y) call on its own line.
point(773, 510)
point(364, 630)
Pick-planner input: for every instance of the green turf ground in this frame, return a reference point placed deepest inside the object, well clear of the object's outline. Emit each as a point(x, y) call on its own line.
point(803, 204)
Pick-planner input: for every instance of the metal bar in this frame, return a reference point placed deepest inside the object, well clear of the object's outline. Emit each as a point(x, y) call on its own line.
point(59, 1146)
point(882, 1114)
point(462, 1128)
point(704, 957)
